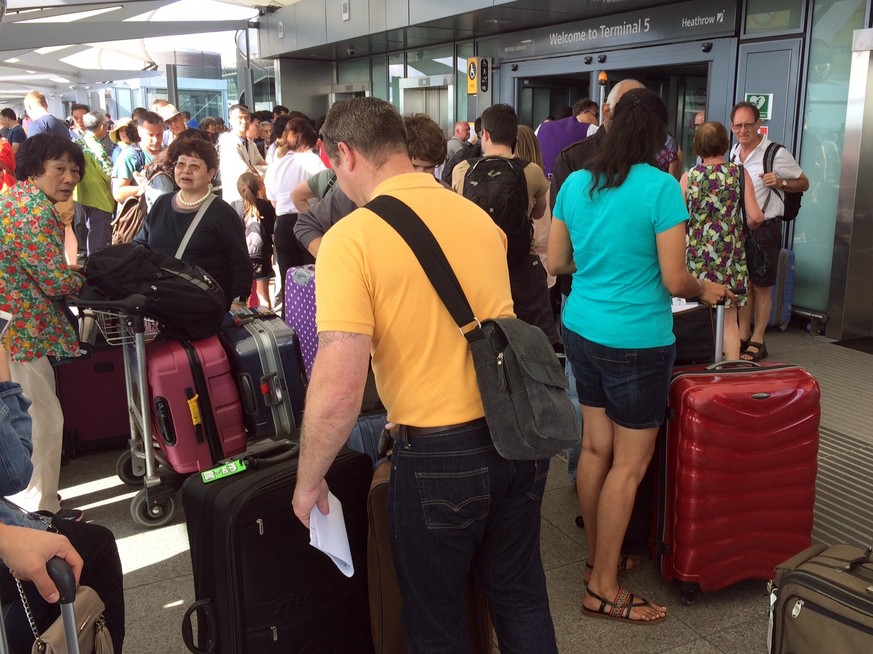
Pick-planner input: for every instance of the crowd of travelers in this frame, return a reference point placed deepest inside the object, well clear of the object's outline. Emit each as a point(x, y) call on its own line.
point(599, 227)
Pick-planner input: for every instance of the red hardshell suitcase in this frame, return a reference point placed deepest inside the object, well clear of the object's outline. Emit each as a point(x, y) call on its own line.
point(735, 472)
point(196, 409)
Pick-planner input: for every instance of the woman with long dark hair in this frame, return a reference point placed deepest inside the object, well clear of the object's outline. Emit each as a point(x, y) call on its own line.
point(619, 228)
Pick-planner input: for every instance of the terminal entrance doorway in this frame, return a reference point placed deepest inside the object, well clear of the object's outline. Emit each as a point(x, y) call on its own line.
point(682, 87)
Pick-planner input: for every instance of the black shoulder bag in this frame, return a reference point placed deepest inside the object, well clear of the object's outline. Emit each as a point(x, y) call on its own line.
point(756, 258)
point(522, 384)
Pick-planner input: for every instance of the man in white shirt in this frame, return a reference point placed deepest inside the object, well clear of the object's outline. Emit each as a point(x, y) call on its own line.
point(769, 187)
point(237, 154)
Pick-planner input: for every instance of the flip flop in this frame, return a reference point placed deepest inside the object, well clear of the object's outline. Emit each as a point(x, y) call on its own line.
point(620, 608)
point(759, 353)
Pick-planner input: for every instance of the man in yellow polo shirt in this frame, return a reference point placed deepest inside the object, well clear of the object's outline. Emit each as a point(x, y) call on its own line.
point(453, 501)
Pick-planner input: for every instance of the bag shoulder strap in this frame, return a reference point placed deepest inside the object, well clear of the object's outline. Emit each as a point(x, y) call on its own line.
point(743, 197)
point(431, 257)
point(202, 210)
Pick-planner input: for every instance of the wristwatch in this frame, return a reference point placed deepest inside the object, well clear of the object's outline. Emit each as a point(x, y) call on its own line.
point(784, 183)
point(240, 300)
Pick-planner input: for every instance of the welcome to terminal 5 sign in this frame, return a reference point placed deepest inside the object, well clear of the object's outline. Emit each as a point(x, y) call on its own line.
point(679, 22)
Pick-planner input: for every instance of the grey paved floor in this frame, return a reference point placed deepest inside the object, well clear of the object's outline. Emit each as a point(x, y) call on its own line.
point(157, 566)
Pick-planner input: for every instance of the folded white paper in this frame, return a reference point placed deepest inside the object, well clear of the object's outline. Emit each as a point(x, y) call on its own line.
point(328, 534)
point(680, 305)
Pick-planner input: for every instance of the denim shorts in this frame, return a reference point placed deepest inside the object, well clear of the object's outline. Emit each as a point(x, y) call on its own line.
point(631, 384)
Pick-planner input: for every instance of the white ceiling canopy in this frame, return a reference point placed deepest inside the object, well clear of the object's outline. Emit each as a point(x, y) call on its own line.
point(51, 45)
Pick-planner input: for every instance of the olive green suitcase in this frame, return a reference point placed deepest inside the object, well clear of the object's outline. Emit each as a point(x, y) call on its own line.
point(821, 600)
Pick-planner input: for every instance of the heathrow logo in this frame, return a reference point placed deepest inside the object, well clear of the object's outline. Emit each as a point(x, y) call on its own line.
point(697, 21)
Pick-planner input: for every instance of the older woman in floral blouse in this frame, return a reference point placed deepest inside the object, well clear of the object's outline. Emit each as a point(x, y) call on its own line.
point(33, 277)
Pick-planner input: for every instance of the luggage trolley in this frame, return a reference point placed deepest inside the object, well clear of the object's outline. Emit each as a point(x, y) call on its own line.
point(123, 323)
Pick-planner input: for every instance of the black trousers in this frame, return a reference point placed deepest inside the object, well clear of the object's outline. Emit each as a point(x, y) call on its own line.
point(289, 252)
point(102, 572)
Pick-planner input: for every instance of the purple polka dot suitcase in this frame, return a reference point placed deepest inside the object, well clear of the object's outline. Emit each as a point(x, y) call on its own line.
point(300, 310)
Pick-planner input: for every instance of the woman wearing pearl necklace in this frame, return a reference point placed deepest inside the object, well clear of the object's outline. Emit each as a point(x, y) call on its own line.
point(218, 242)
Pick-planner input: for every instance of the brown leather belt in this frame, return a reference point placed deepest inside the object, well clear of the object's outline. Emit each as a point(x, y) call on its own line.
point(413, 432)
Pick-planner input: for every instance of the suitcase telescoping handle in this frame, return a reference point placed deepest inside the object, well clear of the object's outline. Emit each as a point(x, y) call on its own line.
point(61, 573)
point(719, 338)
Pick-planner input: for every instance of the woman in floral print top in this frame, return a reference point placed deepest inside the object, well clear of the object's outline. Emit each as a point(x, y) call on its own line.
point(716, 248)
point(33, 271)
point(33, 276)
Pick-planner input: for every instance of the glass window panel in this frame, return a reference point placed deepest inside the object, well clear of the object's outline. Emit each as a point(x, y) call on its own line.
point(379, 76)
point(396, 72)
point(463, 108)
point(354, 71)
point(821, 155)
point(763, 16)
point(425, 62)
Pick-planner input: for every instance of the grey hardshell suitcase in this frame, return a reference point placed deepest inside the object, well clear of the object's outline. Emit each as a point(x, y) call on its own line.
point(821, 600)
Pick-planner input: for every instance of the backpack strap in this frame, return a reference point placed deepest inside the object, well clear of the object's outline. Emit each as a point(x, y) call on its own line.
point(769, 158)
point(140, 157)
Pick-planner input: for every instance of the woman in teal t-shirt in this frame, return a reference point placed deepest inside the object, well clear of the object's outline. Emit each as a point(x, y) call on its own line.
point(619, 228)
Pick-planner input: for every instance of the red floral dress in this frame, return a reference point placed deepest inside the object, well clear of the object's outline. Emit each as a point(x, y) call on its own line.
point(33, 275)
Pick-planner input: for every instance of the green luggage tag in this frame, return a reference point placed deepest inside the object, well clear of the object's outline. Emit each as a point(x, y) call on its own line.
point(225, 470)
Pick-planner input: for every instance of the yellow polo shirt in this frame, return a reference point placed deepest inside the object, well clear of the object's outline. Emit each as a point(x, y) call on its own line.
point(369, 282)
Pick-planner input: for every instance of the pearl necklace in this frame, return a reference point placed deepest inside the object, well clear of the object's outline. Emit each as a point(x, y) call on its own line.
point(195, 202)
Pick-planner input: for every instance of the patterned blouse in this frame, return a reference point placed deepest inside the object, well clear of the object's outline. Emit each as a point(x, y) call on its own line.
point(33, 273)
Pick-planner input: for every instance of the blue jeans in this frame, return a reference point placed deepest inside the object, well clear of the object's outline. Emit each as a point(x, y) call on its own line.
point(454, 503)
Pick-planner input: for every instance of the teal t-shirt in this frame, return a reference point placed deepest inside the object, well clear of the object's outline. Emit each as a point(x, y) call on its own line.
point(618, 298)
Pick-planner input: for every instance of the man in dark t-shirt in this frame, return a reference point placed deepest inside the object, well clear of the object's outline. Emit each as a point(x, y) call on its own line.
point(12, 131)
point(41, 121)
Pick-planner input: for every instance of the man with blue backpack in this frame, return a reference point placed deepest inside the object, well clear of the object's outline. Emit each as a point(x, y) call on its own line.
point(513, 192)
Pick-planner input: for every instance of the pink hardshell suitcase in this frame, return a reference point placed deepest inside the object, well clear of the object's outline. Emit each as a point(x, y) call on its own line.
point(300, 311)
point(196, 409)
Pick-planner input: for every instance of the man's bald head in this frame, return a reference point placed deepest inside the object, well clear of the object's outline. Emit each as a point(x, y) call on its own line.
point(615, 94)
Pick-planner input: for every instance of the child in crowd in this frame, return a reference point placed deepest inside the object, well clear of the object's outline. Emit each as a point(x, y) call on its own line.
point(259, 217)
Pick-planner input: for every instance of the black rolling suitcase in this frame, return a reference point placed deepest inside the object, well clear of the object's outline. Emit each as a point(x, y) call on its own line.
point(261, 588)
point(821, 600)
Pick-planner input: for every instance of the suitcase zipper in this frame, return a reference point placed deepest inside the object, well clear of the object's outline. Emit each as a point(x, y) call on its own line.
point(806, 605)
point(832, 590)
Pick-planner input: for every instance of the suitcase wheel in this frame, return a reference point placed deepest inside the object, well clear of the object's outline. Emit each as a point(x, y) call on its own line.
point(687, 591)
point(151, 513)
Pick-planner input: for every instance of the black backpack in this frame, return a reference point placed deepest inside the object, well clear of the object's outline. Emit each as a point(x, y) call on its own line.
point(498, 185)
point(469, 151)
point(184, 298)
point(791, 199)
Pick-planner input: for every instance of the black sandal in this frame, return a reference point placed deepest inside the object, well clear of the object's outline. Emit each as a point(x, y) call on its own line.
point(759, 353)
